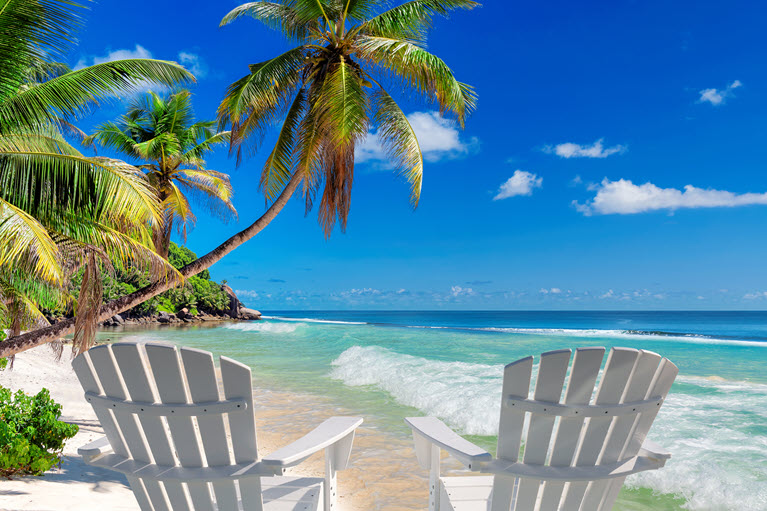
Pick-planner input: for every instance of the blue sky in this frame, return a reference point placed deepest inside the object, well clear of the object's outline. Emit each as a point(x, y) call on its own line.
point(616, 161)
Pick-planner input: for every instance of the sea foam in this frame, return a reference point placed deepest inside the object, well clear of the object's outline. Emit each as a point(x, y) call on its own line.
point(715, 429)
point(263, 326)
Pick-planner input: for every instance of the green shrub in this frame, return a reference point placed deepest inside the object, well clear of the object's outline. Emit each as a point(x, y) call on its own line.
point(31, 434)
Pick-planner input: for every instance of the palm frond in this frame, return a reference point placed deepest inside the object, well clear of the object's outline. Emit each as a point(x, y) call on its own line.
point(425, 72)
point(277, 16)
point(278, 168)
point(399, 141)
point(25, 243)
point(75, 93)
point(411, 20)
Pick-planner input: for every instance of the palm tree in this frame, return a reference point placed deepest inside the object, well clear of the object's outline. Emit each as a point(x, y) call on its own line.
point(328, 89)
point(60, 210)
point(162, 133)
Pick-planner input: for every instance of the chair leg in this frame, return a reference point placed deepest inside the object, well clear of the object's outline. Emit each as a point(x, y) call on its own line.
point(330, 478)
point(434, 489)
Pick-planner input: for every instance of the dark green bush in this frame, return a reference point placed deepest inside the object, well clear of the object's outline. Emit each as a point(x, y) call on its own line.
point(31, 434)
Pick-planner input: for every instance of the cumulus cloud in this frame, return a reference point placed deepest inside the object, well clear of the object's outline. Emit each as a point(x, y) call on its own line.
point(623, 197)
point(457, 291)
point(247, 293)
point(520, 183)
point(139, 52)
point(193, 63)
point(438, 137)
point(553, 291)
point(755, 295)
point(717, 97)
point(595, 150)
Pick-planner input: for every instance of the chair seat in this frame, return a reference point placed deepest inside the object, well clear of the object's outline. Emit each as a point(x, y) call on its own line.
point(471, 493)
point(281, 493)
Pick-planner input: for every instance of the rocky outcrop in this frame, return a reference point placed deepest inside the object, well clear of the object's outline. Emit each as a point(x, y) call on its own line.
point(234, 302)
point(249, 314)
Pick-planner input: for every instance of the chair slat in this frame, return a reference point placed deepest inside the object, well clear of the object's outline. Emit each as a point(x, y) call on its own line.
point(660, 386)
point(548, 387)
point(618, 370)
point(636, 389)
point(166, 370)
point(109, 377)
point(130, 360)
point(201, 378)
point(516, 382)
point(89, 382)
point(238, 383)
point(580, 387)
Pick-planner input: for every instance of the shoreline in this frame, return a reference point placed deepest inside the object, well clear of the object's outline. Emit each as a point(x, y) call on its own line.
point(383, 474)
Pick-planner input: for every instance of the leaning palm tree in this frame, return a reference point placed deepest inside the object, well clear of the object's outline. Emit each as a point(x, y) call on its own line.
point(163, 135)
point(60, 210)
point(328, 90)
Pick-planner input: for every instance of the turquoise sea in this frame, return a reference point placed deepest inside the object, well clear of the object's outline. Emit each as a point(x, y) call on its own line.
point(388, 365)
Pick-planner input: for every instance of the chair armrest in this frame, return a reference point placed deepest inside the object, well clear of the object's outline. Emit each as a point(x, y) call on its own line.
point(430, 430)
point(333, 430)
point(96, 448)
point(652, 450)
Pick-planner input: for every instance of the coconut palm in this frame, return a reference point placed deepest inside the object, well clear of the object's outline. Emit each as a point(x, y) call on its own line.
point(163, 135)
point(58, 208)
point(328, 90)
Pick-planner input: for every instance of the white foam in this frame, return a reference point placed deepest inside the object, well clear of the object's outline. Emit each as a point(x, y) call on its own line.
point(624, 334)
point(716, 430)
point(309, 320)
point(467, 396)
point(262, 326)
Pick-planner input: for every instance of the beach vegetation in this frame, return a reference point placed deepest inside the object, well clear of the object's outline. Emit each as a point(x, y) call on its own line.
point(31, 435)
point(59, 209)
point(329, 93)
point(162, 135)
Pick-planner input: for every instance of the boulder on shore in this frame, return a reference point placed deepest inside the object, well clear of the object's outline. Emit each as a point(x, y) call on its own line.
point(249, 314)
point(234, 303)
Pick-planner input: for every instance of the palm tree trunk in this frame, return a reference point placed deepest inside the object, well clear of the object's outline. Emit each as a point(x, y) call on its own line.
point(41, 336)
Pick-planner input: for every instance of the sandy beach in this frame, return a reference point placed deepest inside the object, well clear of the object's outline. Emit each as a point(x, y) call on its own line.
point(383, 473)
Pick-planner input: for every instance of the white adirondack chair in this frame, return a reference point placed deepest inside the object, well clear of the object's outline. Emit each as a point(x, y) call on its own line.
point(183, 447)
point(575, 455)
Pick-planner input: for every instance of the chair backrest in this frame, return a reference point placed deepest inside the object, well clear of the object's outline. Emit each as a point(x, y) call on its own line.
point(567, 428)
point(160, 405)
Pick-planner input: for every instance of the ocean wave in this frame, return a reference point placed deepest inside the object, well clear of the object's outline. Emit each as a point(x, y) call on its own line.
point(623, 334)
point(309, 320)
point(716, 429)
point(263, 326)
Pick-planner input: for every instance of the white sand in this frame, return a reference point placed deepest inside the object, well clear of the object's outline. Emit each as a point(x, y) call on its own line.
point(384, 473)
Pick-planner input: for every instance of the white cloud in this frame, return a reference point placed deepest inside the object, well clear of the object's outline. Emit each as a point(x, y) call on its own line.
point(139, 52)
point(438, 137)
point(756, 295)
point(520, 183)
point(456, 291)
point(193, 63)
point(553, 291)
point(248, 293)
point(595, 150)
point(718, 96)
point(624, 198)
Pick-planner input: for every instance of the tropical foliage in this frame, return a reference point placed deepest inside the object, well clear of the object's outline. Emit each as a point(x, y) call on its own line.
point(31, 434)
point(197, 293)
point(60, 210)
point(330, 91)
point(163, 135)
